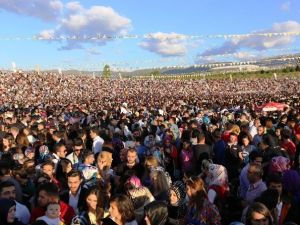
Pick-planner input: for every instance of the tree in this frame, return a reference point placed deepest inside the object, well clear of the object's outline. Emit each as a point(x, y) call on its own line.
point(106, 72)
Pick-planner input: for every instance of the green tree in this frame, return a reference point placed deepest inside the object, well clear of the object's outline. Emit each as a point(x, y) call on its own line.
point(106, 72)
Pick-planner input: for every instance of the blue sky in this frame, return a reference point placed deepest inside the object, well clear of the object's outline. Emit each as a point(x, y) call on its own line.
point(170, 24)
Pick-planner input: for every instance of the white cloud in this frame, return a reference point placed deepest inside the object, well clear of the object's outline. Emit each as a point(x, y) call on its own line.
point(85, 24)
point(259, 42)
point(165, 44)
point(244, 55)
point(46, 10)
point(47, 34)
point(286, 6)
point(74, 6)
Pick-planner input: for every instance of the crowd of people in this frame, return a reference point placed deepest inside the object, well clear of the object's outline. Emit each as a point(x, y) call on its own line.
point(81, 150)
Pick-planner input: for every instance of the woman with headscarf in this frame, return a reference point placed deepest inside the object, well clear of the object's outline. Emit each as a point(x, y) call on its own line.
point(140, 196)
point(217, 182)
point(177, 205)
point(8, 212)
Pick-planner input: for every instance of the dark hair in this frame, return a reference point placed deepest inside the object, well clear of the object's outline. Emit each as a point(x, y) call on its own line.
point(50, 188)
point(5, 167)
point(86, 154)
point(5, 184)
point(269, 198)
point(157, 212)
point(274, 178)
point(74, 173)
point(259, 208)
point(254, 154)
point(48, 163)
point(58, 146)
point(95, 130)
point(125, 207)
point(77, 142)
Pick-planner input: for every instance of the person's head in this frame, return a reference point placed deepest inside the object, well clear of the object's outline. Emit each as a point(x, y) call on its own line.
point(256, 157)
point(151, 162)
point(7, 190)
point(8, 140)
point(260, 130)
point(47, 192)
point(256, 122)
point(132, 183)
point(91, 200)
point(194, 185)
point(74, 181)
point(104, 160)
point(53, 210)
point(254, 173)
point(42, 178)
point(156, 213)
point(88, 157)
point(200, 137)
point(48, 168)
point(233, 138)
point(258, 214)
point(57, 135)
point(245, 140)
point(94, 132)
point(7, 211)
point(278, 131)
point(159, 181)
point(131, 156)
point(269, 198)
point(77, 146)
point(66, 165)
point(61, 150)
point(177, 193)
point(121, 208)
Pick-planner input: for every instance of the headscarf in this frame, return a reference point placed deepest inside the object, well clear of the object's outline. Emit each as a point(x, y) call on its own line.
point(217, 175)
point(279, 164)
point(5, 205)
point(179, 188)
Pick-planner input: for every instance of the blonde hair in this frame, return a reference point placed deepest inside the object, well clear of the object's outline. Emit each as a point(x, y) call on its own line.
point(235, 129)
point(151, 161)
point(107, 156)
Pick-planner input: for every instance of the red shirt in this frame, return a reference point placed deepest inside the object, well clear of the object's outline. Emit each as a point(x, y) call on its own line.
point(290, 147)
point(66, 213)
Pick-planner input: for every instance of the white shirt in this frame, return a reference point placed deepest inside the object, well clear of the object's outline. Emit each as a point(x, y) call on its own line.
point(97, 144)
point(253, 130)
point(22, 213)
point(73, 158)
point(49, 221)
point(279, 208)
point(73, 200)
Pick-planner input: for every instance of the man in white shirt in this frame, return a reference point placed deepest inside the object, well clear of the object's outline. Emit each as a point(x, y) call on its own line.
point(8, 191)
point(97, 140)
point(76, 193)
point(253, 128)
point(76, 155)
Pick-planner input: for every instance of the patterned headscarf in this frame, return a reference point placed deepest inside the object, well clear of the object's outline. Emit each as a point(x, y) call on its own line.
point(179, 188)
point(279, 164)
point(217, 175)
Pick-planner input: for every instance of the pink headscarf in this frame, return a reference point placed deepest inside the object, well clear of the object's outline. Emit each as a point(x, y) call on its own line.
point(279, 164)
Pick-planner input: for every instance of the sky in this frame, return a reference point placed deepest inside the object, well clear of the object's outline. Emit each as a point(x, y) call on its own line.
point(135, 34)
